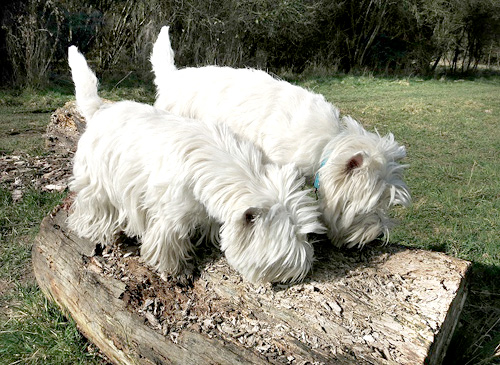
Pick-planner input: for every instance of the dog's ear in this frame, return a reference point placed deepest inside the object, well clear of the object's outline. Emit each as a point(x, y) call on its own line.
point(251, 215)
point(354, 162)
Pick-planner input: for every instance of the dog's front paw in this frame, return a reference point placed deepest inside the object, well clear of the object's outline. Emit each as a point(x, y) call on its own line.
point(183, 277)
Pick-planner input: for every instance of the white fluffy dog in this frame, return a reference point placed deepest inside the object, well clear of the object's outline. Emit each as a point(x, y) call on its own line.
point(357, 173)
point(160, 177)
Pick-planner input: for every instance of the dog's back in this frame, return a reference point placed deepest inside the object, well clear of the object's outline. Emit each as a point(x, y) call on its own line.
point(250, 102)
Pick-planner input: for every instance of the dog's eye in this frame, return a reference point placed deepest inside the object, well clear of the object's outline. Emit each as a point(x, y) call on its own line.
point(251, 214)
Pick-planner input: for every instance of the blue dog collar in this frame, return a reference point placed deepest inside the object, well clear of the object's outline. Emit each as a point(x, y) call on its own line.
point(316, 177)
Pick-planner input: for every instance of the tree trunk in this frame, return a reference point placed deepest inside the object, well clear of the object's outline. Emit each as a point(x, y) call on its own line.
point(383, 305)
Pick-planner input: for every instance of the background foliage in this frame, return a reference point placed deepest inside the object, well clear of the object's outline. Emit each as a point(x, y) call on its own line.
point(403, 37)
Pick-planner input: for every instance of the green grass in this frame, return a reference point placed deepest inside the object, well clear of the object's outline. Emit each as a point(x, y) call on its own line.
point(19, 222)
point(24, 114)
point(32, 330)
point(451, 131)
point(37, 333)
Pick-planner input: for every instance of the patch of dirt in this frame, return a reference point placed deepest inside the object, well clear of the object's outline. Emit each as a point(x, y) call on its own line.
point(50, 172)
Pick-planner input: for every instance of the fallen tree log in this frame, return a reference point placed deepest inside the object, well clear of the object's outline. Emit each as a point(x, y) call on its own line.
point(382, 305)
point(65, 127)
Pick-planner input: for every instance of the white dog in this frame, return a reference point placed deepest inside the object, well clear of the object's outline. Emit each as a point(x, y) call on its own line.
point(160, 177)
point(357, 173)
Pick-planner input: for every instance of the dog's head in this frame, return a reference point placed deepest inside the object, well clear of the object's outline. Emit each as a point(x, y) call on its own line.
point(268, 239)
point(360, 179)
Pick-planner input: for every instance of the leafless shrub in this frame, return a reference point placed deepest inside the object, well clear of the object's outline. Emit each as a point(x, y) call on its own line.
point(32, 38)
point(409, 36)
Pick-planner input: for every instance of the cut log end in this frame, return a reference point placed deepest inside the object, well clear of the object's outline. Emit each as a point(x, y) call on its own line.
point(384, 304)
point(64, 129)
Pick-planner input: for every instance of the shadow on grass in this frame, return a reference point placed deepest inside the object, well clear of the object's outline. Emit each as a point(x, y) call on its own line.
point(477, 336)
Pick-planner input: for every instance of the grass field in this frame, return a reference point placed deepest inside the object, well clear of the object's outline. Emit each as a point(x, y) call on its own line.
point(451, 129)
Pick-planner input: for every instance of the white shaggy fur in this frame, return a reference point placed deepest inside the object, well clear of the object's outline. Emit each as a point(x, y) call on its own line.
point(358, 172)
point(161, 177)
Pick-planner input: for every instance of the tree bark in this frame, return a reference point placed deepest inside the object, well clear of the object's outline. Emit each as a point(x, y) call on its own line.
point(64, 129)
point(383, 305)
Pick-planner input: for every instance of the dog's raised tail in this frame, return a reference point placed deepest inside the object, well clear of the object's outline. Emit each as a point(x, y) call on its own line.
point(162, 57)
point(87, 99)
